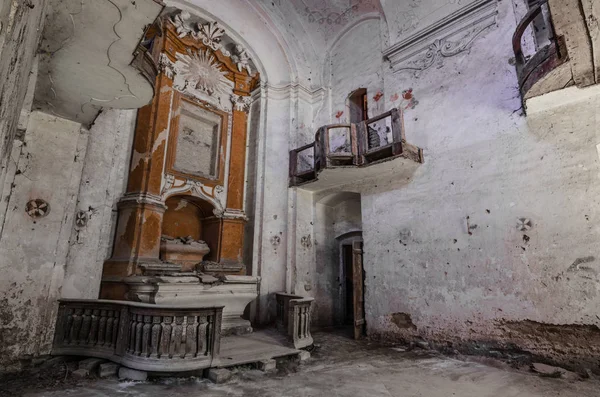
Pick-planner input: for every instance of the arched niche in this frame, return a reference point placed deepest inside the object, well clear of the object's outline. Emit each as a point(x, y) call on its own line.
point(189, 235)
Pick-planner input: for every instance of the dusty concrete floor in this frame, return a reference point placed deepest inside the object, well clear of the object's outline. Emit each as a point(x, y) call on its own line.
point(342, 367)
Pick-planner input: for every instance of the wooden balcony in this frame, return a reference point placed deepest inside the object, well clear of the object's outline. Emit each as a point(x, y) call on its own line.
point(547, 69)
point(343, 153)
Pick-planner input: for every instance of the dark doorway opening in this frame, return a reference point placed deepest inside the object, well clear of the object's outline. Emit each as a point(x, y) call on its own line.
point(358, 104)
point(352, 282)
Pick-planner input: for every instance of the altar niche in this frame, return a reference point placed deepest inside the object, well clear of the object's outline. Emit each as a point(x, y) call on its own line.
point(183, 210)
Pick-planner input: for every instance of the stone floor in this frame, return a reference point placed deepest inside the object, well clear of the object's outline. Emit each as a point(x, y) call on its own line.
point(342, 367)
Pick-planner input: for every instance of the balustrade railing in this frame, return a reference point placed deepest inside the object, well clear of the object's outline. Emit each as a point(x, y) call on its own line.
point(545, 51)
point(294, 316)
point(140, 336)
point(352, 145)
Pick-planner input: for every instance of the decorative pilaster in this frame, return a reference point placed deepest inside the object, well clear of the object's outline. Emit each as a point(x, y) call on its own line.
point(137, 239)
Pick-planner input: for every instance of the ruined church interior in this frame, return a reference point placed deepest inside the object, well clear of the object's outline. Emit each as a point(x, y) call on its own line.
point(294, 198)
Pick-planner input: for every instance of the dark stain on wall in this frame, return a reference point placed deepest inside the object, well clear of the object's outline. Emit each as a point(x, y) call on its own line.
point(403, 321)
point(580, 261)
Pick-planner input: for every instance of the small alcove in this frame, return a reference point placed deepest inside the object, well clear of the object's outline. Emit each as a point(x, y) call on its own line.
point(190, 232)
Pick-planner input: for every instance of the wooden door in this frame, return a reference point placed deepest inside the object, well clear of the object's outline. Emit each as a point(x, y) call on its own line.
point(358, 276)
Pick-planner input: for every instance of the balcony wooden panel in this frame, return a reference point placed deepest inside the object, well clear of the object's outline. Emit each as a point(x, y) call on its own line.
point(372, 148)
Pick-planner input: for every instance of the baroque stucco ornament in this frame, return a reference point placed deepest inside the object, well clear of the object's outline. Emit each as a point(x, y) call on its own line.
point(241, 58)
point(204, 71)
point(182, 24)
point(210, 33)
point(449, 37)
point(166, 66)
point(439, 50)
point(214, 195)
point(241, 103)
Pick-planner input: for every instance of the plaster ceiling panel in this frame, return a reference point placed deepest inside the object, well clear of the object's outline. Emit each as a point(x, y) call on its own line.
point(407, 17)
point(85, 57)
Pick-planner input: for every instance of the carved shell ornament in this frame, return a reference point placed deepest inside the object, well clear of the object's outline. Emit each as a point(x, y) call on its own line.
point(211, 35)
point(204, 71)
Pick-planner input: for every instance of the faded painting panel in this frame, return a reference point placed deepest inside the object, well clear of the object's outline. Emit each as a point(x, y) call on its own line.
point(198, 141)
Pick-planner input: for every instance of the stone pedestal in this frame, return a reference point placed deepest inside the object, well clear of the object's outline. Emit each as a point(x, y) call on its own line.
point(234, 292)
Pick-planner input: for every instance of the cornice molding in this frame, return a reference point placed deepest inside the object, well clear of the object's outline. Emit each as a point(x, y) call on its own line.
point(446, 38)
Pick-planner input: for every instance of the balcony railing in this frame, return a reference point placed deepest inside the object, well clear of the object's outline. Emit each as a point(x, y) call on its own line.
point(294, 316)
point(547, 52)
point(352, 145)
point(140, 336)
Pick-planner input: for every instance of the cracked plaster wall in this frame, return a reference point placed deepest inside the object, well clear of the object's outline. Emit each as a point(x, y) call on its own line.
point(78, 172)
point(33, 250)
point(103, 182)
point(21, 25)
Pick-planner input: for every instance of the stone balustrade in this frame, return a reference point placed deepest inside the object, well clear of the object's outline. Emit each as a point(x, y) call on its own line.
point(294, 315)
point(155, 338)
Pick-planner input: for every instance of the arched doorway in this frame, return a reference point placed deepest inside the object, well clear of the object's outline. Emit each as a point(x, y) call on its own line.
point(340, 275)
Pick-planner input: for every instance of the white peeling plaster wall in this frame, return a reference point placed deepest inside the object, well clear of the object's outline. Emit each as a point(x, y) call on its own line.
point(347, 218)
point(304, 269)
point(486, 161)
point(318, 257)
point(48, 258)
point(33, 251)
point(20, 29)
point(356, 62)
point(102, 185)
point(326, 269)
point(271, 240)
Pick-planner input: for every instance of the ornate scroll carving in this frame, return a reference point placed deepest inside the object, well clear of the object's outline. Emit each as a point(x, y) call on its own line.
point(449, 37)
point(214, 195)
